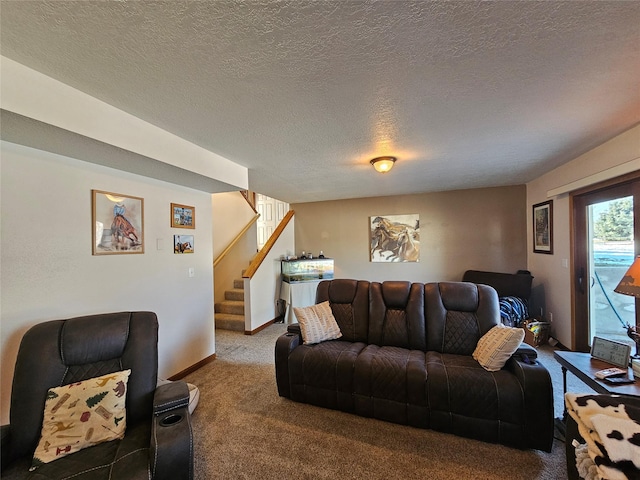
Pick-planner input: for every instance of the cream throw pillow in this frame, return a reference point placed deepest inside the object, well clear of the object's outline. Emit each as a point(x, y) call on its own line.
point(317, 323)
point(496, 346)
point(81, 415)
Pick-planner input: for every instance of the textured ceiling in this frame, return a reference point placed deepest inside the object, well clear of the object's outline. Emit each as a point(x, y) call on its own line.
point(304, 93)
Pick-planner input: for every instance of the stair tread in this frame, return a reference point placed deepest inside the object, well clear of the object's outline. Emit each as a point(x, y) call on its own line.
point(229, 321)
point(235, 294)
point(229, 316)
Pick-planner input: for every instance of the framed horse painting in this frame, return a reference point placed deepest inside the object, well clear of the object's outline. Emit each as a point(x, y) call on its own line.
point(394, 238)
point(118, 223)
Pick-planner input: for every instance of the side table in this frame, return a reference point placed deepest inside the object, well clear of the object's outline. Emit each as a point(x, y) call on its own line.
point(583, 366)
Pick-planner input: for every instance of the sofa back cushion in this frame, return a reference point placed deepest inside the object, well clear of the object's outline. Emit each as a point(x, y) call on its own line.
point(458, 314)
point(396, 315)
point(349, 300)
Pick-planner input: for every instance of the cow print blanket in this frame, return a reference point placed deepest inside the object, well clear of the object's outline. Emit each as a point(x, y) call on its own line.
point(610, 427)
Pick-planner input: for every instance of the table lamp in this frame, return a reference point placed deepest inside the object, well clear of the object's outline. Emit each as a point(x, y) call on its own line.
point(630, 285)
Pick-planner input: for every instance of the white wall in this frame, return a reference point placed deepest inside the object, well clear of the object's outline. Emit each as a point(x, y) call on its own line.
point(34, 95)
point(263, 290)
point(548, 270)
point(48, 271)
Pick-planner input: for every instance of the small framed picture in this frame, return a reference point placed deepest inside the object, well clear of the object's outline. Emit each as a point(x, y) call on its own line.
point(117, 223)
point(183, 216)
point(543, 227)
point(183, 244)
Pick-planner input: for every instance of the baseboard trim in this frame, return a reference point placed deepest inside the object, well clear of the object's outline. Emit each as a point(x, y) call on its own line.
point(261, 327)
point(192, 368)
point(211, 358)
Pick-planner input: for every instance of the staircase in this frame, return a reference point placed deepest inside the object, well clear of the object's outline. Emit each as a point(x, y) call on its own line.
point(229, 314)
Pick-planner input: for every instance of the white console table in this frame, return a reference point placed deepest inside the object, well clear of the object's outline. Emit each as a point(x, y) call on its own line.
point(301, 294)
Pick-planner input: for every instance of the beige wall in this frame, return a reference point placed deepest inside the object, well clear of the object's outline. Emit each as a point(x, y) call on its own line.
point(231, 213)
point(482, 229)
point(553, 272)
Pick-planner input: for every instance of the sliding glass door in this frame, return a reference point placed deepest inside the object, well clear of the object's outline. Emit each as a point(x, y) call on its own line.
point(606, 236)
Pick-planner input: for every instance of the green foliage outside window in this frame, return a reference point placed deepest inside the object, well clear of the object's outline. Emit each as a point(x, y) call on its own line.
point(616, 223)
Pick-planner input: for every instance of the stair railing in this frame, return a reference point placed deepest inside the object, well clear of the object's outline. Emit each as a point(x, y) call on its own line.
point(262, 254)
point(236, 239)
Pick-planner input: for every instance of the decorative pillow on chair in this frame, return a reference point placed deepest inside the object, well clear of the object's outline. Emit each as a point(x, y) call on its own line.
point(496, 346)
point(317, 323)
point(81, 415)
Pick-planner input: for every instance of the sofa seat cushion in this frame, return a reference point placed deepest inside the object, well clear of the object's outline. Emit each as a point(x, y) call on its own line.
point(126, 458)
point(322, 374)
point(390, 384)
point(467, 400)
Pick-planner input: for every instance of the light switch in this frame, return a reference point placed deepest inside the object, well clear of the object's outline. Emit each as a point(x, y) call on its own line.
point(192, 272)
point(159, 243)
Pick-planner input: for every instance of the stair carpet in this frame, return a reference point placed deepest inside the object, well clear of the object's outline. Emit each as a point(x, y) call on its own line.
point(229, 314)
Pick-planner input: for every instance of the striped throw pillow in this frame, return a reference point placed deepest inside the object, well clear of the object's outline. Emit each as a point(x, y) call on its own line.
point(317, 323)
point(496, 346)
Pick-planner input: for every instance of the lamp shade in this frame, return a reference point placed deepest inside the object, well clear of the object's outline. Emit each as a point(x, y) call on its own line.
point(383, 164)
point(630, 283)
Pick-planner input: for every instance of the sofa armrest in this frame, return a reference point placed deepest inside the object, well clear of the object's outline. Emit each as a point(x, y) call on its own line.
point(526, 353)
point(294, 328)
point(538, 401)
point(285, 344)
point(171, 436)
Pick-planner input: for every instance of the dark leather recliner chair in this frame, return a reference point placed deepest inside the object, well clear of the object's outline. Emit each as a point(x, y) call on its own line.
point(157, 443)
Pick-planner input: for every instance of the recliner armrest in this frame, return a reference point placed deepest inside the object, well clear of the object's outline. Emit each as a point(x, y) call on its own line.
point(169, 396)
point(526, 353)
point(5, 445)
point(171, 439)
point(285, 344)
point(536, 386)
point(294, 328)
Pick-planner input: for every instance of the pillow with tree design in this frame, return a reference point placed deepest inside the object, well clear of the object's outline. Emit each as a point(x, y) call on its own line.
point(82, 414)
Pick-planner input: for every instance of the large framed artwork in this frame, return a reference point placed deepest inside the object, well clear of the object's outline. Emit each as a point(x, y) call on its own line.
point(118, 223)
point(543, 227)
point(394, 238)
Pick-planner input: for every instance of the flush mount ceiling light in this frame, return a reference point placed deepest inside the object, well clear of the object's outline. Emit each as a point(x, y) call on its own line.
point(383, 164)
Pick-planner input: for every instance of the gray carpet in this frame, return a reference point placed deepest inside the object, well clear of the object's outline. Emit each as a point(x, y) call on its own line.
point(244, 430)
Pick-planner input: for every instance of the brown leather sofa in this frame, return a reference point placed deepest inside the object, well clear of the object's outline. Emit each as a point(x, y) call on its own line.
point(158, 442)
point(405, 357)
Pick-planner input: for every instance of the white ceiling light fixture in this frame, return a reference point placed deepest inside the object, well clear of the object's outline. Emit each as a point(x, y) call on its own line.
point(383, 164)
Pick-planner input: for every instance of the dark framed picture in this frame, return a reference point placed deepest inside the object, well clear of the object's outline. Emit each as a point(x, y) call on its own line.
point(183, 216)
point(543, 227)
point(117, 223)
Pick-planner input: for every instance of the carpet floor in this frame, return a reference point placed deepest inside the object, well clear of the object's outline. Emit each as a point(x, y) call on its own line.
point(244, 430)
